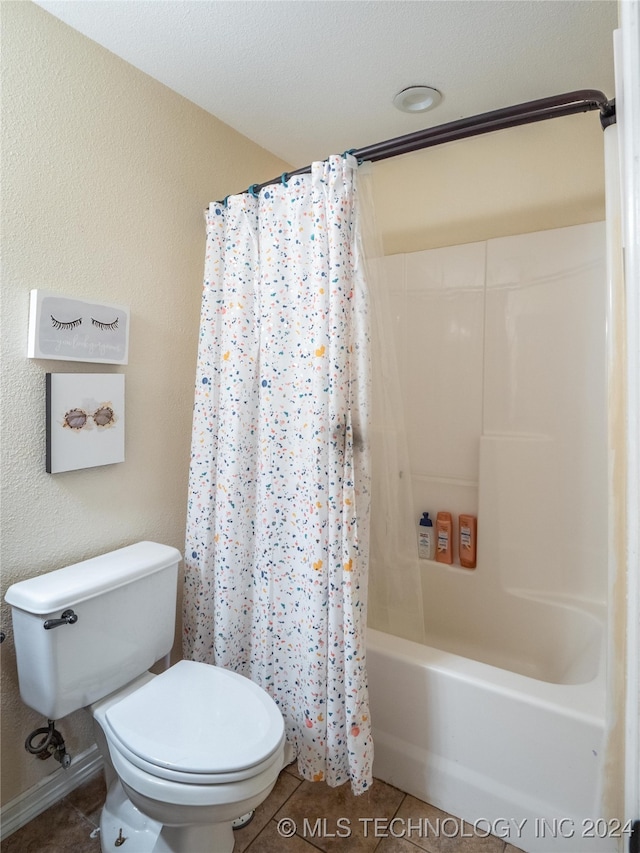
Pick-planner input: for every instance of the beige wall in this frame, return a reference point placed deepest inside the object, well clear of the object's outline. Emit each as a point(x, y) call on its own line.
point(105, 176)
point(531, 178)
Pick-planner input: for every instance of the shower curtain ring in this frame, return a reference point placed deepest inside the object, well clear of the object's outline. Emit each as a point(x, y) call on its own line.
point(252, 190)
point(283, 179)
point(350, 151)
point(225, 201)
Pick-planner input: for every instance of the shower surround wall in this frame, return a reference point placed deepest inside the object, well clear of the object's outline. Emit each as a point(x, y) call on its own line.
point(501, 350)
point(501, 354)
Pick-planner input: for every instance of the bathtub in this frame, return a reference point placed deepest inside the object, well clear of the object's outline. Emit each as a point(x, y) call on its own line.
point(498, 748)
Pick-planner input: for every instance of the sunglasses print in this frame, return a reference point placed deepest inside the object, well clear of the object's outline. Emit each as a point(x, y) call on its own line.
point(77, 418)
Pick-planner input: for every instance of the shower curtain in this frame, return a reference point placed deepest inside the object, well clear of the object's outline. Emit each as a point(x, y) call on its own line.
point(278, 511)
point(395, 587)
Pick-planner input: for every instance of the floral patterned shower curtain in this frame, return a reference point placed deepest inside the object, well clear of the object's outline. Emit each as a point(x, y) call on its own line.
point(278, 513)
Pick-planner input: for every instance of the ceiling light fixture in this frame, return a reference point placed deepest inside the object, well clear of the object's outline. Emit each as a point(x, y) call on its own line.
point(417, 99)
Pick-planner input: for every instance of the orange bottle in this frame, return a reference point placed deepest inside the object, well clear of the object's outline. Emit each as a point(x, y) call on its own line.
point(444, 538)
point(468, 530)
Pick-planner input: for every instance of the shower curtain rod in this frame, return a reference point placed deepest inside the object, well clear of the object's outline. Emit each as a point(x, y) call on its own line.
point(569, 103)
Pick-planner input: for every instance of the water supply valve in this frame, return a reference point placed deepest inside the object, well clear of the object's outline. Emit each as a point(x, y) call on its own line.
point(51, 744)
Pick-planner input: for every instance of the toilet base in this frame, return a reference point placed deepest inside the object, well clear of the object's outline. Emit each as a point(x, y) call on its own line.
point(120, 819)
point(195, 839)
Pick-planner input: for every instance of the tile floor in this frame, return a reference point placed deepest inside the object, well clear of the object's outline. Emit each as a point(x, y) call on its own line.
point(318, 818)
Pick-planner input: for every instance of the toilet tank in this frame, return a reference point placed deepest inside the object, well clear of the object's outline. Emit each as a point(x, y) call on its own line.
point(125, 603)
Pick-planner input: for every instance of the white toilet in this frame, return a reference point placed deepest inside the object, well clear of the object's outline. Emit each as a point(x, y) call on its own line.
point(186, 752)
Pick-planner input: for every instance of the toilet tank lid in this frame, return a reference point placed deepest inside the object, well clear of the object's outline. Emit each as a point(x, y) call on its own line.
point(68, 586)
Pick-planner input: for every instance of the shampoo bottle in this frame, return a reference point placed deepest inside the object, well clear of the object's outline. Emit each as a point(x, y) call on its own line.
point(425, 537)
point(468, 527)
point(444, 537)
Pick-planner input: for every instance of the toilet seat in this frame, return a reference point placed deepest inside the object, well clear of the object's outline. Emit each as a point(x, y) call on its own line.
point(196, 724)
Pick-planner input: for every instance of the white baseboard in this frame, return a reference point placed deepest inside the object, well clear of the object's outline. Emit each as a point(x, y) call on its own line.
point(19, 811)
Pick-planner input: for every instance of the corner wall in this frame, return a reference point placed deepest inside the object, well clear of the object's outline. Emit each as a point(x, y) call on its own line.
point(105, 176)
point(531, 178)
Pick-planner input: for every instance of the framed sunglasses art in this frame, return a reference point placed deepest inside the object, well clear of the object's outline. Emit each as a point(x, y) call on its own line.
point(85, 420)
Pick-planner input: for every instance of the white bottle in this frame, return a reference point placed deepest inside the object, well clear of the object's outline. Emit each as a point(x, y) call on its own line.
point(425, 537)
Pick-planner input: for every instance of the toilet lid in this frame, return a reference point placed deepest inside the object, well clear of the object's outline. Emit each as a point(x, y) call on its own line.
point(198, 718)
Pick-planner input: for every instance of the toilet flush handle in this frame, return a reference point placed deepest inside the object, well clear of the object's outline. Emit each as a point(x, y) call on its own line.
point(67, 618)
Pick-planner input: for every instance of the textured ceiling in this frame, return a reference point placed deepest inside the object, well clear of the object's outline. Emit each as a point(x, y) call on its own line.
point(307, 79)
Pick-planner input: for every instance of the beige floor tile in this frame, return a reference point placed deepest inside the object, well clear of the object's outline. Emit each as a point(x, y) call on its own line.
point(396, 845)
point(436, 831)
point(293, 769)
point(271, 841)
point(59, 828)
point(336, 821)
point(284, 787)
point(89, 798)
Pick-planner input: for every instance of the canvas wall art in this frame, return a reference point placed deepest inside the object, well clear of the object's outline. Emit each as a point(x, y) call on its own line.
point(85, 420)
point(77, 330)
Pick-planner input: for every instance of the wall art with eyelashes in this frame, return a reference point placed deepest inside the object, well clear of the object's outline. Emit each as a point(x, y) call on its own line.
point(85, 420)
point(61, 327)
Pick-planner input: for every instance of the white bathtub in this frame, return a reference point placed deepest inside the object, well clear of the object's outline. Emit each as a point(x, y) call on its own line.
point(546, 637)
point(486, 744)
